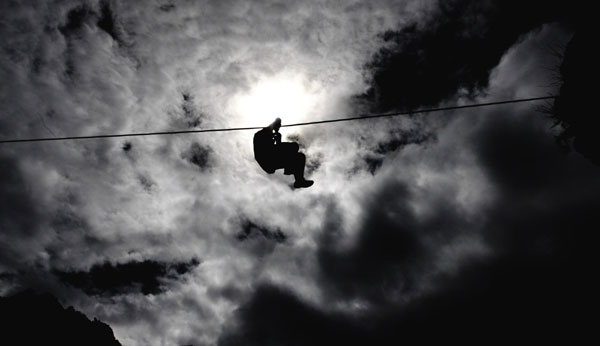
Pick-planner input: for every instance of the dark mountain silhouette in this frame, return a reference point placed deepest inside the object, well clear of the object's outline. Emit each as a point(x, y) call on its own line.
point(573, 110)
point(28, 318)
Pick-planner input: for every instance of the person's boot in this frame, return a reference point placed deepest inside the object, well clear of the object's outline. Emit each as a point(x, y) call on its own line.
point(303, 183)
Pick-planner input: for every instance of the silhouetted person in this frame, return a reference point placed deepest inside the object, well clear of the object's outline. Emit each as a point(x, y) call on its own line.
point(271, 154)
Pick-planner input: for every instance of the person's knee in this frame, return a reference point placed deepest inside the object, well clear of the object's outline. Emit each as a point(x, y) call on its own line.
point(295, 146)
point(301, 157)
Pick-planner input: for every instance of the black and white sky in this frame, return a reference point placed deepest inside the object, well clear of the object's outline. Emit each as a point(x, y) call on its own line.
point(460, 221)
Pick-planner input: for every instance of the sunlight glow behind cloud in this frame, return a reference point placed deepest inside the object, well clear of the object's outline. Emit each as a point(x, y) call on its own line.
point(288, 97)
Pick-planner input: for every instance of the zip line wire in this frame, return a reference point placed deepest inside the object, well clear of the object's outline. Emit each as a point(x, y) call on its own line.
point(392, 114)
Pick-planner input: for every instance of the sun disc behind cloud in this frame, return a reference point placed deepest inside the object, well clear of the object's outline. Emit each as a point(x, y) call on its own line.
point(285, 97)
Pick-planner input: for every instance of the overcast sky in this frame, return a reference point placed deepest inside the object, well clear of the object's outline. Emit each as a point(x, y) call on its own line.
point(176, 240)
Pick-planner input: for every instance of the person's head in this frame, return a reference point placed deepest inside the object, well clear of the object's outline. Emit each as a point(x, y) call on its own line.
point(276, 124)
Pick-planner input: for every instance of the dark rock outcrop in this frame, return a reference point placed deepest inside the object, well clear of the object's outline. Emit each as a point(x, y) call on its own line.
point(28, 318)
point(574, 108)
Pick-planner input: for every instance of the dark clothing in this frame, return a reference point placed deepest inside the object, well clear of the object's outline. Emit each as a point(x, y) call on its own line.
point(264, 147)
point(271, 154)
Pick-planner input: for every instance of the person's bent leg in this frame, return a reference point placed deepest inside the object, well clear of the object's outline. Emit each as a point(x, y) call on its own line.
point(298, 166)
point(289, 150)
point(299, 163)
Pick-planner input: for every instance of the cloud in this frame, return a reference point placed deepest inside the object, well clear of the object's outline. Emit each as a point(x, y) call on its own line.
point(199, 156)
point(415, 133)
point(276, 316)
point(89, 67)
point(109, 22)
point(21, 217)
point(502, 301)
point(484, 231)
point(251, 230)
point(436, 200)
point(17, 208)
point(147, 277)
point(452, 50)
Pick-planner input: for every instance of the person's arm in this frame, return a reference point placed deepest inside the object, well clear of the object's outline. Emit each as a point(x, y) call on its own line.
point(277, 138)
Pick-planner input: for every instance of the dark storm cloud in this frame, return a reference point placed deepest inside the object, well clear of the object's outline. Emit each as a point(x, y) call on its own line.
point(147, 183)
point(313, 163)
point(75, 20)
point(501, 301)
point(258, 239)
point(395, 246)
point(396, 140)
point(540, 227)
point(275, 316)
point(17, 206)
point(403, 137)
point(20, 216)
point(167, 7)
point(191, 115)
point(574, 110)
point(453, 50)
point(7, 280)
point(146, 277)
point(538, 224)
point(104, 17)
point(251, 230)
point(108, 22)
point(199, 155)
point(127, 146)
point(546, 198)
